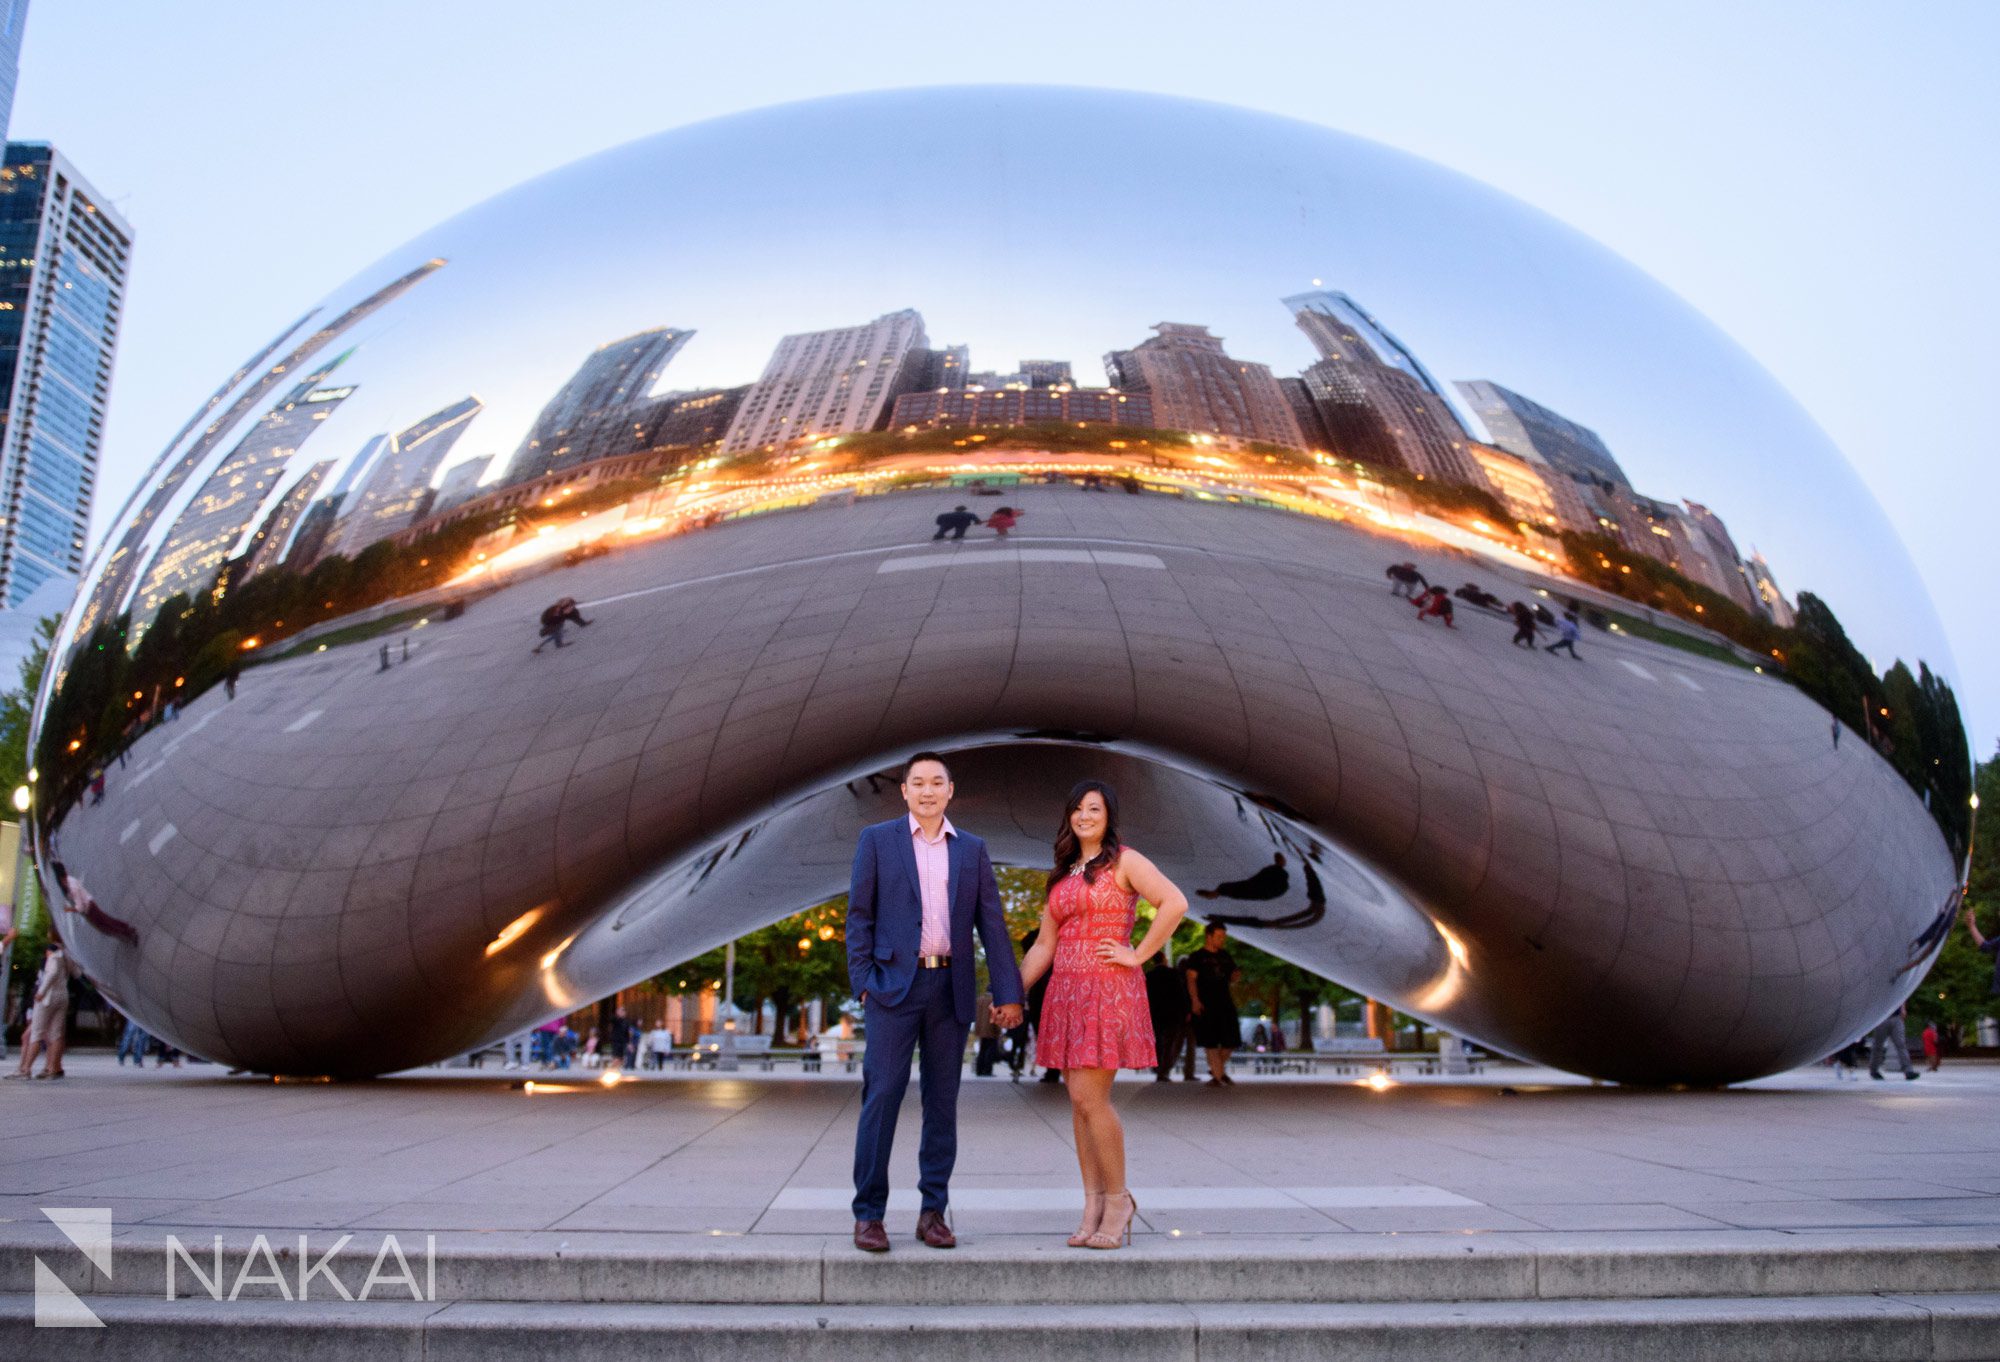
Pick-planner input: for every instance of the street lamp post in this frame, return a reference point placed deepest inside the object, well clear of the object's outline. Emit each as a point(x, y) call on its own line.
point(23, 800)
point(725, 1057)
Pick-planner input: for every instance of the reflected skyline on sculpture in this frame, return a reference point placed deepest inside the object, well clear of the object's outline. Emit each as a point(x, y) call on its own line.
point(713, 400)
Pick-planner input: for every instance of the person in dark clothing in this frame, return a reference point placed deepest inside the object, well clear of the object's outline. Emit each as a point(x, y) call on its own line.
point(1036, 992)
point(1209, 973)
point(230, 679)
point(1524, 624)
point(1405, 580)
point(1167, 1004)
point(1269, 882)
point(564, 612)
point(617, 1038)
point(955, 522)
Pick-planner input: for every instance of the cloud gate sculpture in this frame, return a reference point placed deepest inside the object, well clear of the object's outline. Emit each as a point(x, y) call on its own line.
point(1334, 506)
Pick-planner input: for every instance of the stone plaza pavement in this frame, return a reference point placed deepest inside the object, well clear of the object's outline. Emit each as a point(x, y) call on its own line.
point(1516, 1153)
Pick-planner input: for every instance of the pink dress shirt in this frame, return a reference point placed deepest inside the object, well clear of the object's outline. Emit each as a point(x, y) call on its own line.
point(934, 884)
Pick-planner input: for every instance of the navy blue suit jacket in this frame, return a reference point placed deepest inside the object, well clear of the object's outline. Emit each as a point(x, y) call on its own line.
point(885, 914)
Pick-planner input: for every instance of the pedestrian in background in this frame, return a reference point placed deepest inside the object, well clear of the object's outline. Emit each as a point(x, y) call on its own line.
point(1167, 1002)
point(133, 1043)
point(1889, 1035)
point(1567, 633)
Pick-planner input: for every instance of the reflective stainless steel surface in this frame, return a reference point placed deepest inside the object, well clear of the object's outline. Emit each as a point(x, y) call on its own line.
point(329, 802)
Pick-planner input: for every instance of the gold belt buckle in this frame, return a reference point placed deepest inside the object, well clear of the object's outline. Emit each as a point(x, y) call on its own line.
point(934, 961)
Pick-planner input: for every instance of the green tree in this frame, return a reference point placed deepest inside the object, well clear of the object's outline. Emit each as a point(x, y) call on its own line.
point(17, 706)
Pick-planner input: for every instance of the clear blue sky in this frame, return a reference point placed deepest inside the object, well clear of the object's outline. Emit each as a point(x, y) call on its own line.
point(1818, 178)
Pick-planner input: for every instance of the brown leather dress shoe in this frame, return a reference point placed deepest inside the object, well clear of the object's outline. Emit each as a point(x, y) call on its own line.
point(933, 1231)
point(870, 1237)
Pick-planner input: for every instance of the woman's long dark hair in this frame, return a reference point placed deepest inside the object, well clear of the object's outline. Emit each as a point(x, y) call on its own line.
point(1069, 850)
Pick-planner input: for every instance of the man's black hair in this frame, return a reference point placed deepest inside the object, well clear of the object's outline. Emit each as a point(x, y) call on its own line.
point(926, 756)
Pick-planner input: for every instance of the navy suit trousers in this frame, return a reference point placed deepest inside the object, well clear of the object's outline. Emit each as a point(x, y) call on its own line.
point(924, 1022)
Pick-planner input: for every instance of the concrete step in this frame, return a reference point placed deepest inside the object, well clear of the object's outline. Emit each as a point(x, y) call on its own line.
point(1002, 1271)
point(1828, 1328)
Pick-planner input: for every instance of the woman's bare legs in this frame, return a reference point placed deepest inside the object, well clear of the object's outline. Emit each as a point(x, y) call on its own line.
point(1098, 1124)
point(1086, 1162)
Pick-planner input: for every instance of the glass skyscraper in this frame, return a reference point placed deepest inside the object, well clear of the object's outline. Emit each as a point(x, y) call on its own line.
point(13, 19)
point(63, 261)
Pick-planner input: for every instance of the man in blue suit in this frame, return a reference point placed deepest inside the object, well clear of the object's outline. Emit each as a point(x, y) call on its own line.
point(920, 889)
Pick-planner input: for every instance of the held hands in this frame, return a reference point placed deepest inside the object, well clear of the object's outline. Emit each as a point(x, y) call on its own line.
point(1007, 1016)
point(1113, 953)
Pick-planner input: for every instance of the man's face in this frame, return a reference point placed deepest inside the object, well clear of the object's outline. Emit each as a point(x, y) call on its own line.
point(927, 789)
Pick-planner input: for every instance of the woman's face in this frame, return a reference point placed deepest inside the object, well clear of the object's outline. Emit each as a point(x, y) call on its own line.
point(1087, 820)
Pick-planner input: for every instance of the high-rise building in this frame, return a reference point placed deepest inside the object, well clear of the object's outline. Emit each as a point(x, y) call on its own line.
point(1334, 322)
point(951, 410)
point(1375, 399)
point(395, 490)
point(125, 560)
point(460, 483)
point(672, 420)
point(1771, 600)
point(946, 368)
point(1524, 425)
point(616, 376)
point(1722, 549)
point(63, 259)
point(1046, 373)
point(267, 545)
point(210, 525)
point(1306, 412)
point(1532, 492)
point(823, 383)
point(13, 19)
point(1196, 387)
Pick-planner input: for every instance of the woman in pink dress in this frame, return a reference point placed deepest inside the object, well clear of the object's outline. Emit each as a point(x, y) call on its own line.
point(1094, 1017)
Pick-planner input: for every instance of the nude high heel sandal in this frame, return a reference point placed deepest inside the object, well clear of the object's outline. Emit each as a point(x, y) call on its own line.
point(1093, 1216)
point(1100, 1240)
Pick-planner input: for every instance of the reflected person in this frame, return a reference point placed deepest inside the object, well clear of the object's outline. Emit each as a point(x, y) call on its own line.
point(919, 893)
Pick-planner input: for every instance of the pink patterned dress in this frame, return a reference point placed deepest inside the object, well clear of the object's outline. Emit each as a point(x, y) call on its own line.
point(1094, 1015)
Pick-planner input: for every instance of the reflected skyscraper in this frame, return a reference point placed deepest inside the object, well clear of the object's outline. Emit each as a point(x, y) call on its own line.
point(613, 379)
point(394, 492)
point(1376, 401)
point(1533, 493)
point(118, 566)
point(1769, 598)
point(213, 521)
point(821, 383)
point(1525, 426)
point(461, 483)
point(683, 420)
point(63, 258)
point(1722, 549)
point(1333, 322)
point(267, 546)
point(1196, 386)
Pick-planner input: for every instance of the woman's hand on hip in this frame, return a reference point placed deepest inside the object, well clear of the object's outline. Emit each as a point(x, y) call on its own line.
point(1112, 953)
